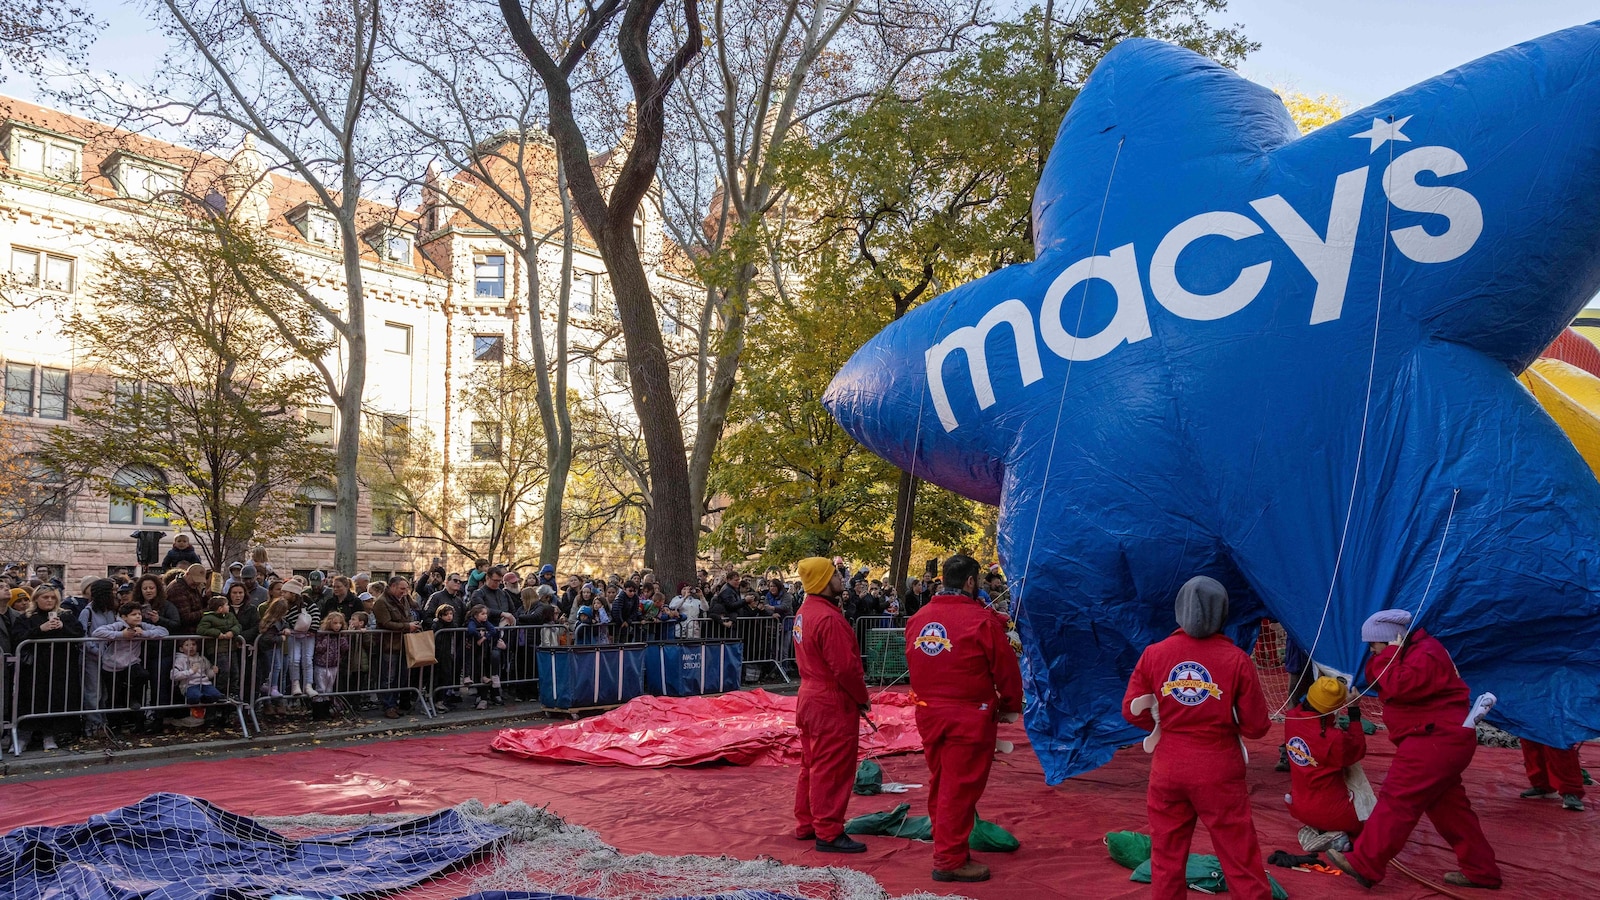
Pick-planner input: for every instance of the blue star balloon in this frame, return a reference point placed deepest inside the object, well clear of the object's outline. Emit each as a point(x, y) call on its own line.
point(1283, 361)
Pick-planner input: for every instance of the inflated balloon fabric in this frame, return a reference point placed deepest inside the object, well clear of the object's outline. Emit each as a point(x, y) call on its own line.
point(1286, 362)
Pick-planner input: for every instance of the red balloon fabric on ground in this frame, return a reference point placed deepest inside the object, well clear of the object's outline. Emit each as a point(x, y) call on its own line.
point(746, 728)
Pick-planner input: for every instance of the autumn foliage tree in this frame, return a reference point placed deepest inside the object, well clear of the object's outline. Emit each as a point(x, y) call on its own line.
point(198, 417)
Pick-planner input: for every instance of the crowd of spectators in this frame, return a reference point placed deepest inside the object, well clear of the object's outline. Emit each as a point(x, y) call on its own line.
point(309, 639)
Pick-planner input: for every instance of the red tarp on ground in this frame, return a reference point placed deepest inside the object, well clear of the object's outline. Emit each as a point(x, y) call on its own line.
point(746, 728)
point(744, 812)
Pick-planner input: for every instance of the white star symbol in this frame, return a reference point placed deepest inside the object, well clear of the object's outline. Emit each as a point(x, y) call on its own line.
point(1382, 131)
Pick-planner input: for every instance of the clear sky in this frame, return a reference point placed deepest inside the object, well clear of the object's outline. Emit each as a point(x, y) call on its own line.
point(1365, 50)
point(1361, 50)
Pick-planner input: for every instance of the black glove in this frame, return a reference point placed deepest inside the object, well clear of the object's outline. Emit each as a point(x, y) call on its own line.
point(1355, 712)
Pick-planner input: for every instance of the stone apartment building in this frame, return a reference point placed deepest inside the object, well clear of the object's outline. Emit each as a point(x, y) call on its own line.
point(443, 295)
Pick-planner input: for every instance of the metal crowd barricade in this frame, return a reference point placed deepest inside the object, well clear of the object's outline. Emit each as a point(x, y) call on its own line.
point(370, 664)
point(48, 680)
point(464, 666)
point(7, 707)
point(761, 636)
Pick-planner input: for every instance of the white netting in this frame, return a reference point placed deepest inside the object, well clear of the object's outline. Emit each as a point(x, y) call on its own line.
point(544, 853)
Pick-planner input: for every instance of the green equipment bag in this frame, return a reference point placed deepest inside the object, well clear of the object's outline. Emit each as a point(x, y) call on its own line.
point(986, 837)
point(869, 778)
point(1128, 848)
point(1204, 874)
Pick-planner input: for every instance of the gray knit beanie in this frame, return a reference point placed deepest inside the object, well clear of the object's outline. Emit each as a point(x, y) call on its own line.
point(1202, 606)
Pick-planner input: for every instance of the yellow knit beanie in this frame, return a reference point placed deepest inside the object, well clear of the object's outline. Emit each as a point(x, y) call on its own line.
point(1326, 694)
point(815, 573)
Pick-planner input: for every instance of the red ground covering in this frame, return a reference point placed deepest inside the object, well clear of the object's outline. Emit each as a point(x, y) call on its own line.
point(716, 810)
point(746, 728)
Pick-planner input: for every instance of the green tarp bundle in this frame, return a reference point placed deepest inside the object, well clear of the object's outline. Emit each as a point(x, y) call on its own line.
point(987, 837)
point(869, 778)
point(1131, 849)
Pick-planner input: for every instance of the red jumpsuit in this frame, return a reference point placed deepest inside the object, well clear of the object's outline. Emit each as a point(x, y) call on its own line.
point(1425, 703)
point(833, 688)
point(964, 675)
point(1208, 695)
point(1319, 752)
point(1553, 769)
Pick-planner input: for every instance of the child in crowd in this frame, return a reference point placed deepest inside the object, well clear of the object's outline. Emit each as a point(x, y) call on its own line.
point(271, 643)
point(483, 647)
point(192, 674)
point(123, 676)
point(222, 623)
point(446, 639)
point(328, 653)
point(585, 630)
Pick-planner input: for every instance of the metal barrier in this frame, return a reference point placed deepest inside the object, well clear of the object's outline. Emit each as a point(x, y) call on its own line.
point(867, 624)
point(7, 707)
point(133, 676)
point(465, 665)
point(764, 639)
point(353, 664)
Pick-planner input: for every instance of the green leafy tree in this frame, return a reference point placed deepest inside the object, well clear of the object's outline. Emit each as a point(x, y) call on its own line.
point(921, 193)
point(198, 419)
point(797, 484)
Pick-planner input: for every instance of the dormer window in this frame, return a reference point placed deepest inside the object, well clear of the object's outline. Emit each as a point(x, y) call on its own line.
point(143, 178)
point(391, 244)
point(316, 224)
point(42, 152)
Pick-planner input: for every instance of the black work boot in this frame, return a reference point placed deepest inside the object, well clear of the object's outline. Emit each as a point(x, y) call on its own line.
point(841, 844)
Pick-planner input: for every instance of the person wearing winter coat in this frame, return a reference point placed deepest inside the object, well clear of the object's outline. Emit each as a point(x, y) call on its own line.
point(50, 680)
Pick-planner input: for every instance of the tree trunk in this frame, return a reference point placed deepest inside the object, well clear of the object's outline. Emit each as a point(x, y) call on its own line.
point(713, 411)
point(671, 527)
point(559, 463)
point(905, 504)
point(347, 483)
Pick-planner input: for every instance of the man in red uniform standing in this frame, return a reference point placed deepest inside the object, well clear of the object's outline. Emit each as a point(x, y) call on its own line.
point(1205, 693)
point(1425, 707)
point(1551, 771)
point(965, 678)
point(1319, 751)
point(833, 697)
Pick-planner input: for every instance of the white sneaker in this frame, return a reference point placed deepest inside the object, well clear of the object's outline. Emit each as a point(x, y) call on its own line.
point(311, 692)
point(494, 681)
point(50, 742)
point(295, 691)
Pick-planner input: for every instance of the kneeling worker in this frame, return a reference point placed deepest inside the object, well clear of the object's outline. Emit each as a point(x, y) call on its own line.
point(1319, 753)
point(1205, 694)
point(833, 697)
point(965, 678)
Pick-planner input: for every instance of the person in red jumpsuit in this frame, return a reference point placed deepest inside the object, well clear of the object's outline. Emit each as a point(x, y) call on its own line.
point(1425, 708)
point(1206, 695)
point(965, 678)
point(1319, 751)
point(1551, 771)
point(833, 697)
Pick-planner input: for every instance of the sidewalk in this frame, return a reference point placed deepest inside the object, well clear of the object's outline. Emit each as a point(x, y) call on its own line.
point(280, 733)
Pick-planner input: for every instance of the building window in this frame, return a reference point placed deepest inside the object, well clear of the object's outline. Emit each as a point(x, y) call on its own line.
point(42, 496)
point(52, 393)
point(488, 348)
point(139, 497)
point(396, 431)
point(389, 519)
point(619, 371)
point(31, 268)
point(320, 418)
point(489, 275)
point(486, 441)
point(397, 338)
point(583, 293)
point(44, 154)
point(669, 318)
point(390, 243)
point(638, 230)
point(314, 509)
point(483, 512)
point(19, 390)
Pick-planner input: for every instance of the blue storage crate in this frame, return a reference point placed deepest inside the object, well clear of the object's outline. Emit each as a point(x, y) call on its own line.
point(689, 668)
point(577, 677)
